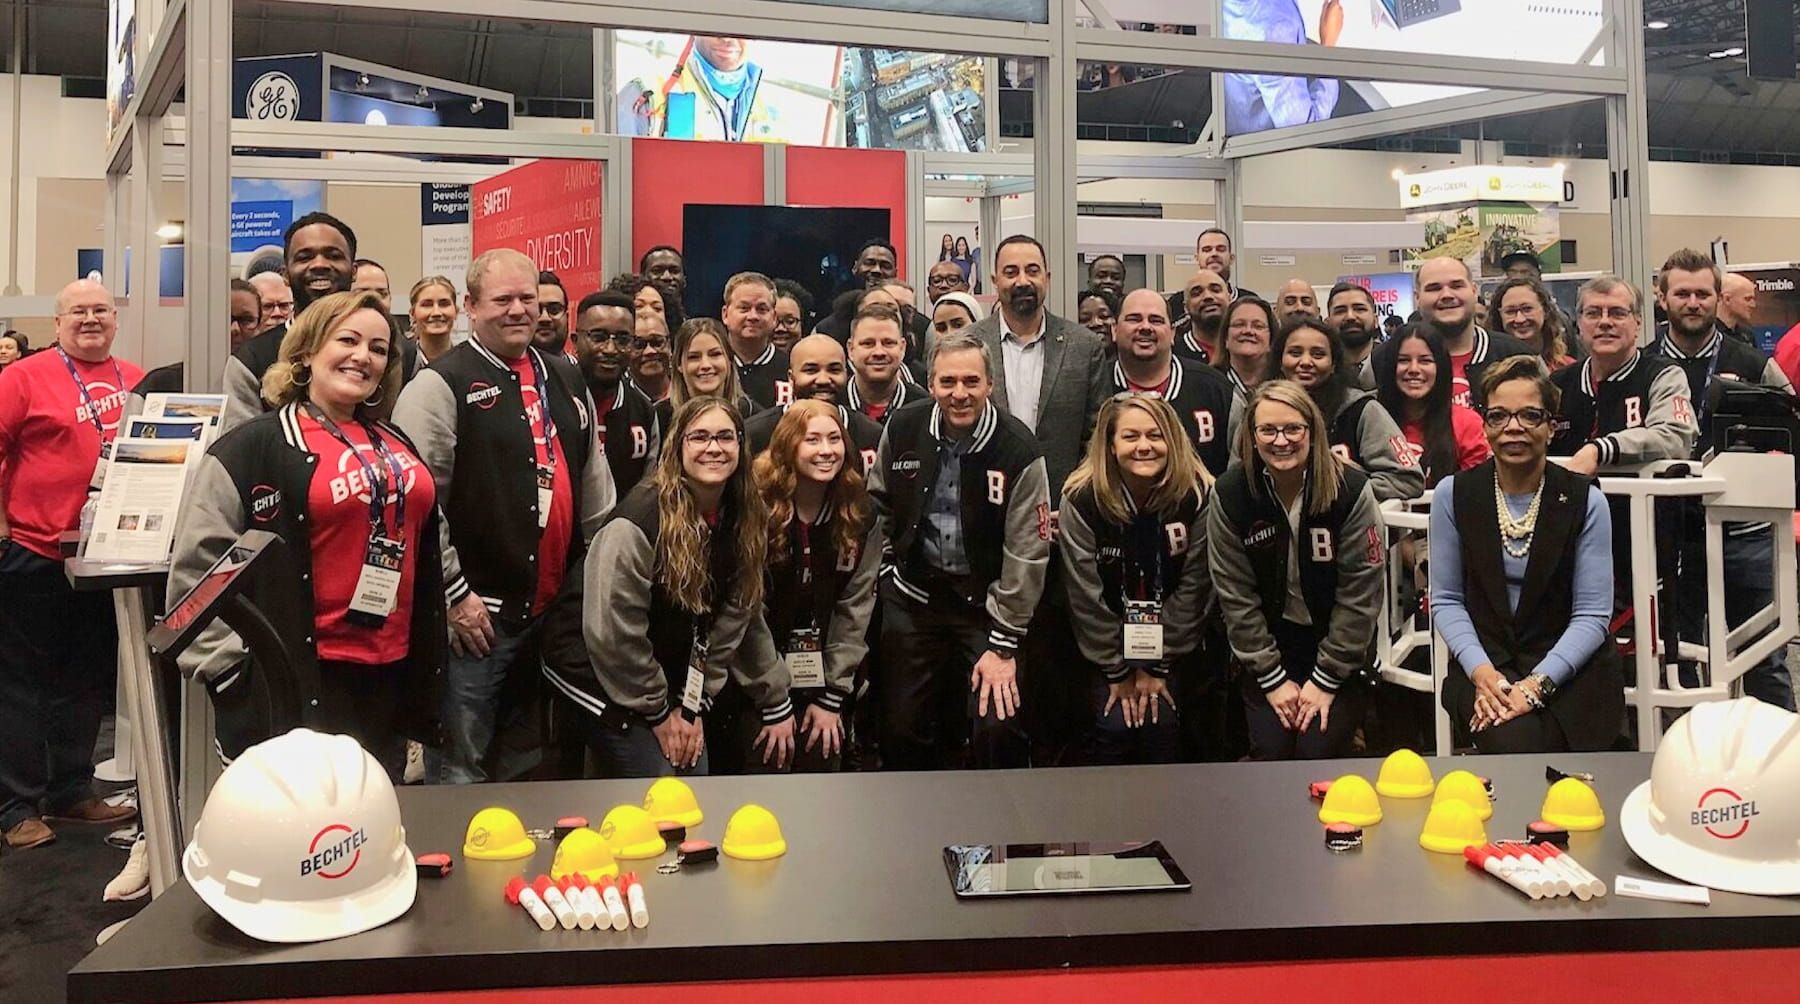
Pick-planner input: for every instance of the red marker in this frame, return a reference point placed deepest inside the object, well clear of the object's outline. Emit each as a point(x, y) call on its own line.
point(518, 892)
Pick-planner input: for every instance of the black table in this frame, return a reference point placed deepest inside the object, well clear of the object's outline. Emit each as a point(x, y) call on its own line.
point(862, 889)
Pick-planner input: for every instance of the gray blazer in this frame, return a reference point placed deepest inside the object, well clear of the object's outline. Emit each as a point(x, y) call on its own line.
point(1069, 398)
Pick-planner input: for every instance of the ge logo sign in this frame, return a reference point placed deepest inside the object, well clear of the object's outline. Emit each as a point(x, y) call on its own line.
point(274, 96)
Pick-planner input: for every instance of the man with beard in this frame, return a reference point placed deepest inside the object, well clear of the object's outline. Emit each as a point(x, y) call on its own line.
point(877, 360)
point(626, 418)
point(551, 336)
point(876, 262)
point(1351, 310)
point(1048, 366)
point(818, 371)
point(1445, 292)
point(1202, 310)
point(1147, 364)
point(1107, 272)
point(1690, 284)
point(1294, 299)
point(944, 277)
point(320, 253)
point(749, 316)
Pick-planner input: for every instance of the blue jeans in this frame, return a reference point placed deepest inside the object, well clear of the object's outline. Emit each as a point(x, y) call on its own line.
point(630, 749)
point(472, 699)
point(1749, 564)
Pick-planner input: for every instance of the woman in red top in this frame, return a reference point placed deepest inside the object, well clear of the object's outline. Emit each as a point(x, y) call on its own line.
point(1412, 377)
point(357, 509)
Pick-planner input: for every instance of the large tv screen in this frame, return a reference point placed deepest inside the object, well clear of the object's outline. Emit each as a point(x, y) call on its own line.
point(813, 247)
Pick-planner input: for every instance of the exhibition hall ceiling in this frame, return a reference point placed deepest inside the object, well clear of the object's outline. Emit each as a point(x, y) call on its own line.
point(1696, 102)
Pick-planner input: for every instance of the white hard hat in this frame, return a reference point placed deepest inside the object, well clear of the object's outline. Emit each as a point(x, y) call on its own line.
point(301, 840)
point(1719, 809)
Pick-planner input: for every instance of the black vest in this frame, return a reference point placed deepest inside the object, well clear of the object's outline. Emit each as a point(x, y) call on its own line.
point(672, 627)
point(1003, 449)
point(865, 433)
point(1141, 560)
point(1263, 527)
point(1201, 397)
point(1621, 402)
point(491, 501)
point(1591, 706)
point(272, 469)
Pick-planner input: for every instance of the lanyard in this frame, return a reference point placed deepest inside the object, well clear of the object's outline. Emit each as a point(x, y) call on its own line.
point(1145, 583)
point(378, 486)
point(549, 423)
point(87, 400)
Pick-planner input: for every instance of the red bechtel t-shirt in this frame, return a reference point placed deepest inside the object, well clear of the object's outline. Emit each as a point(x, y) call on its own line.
point(553, 544)
point(338, 502)
point(1471, 441)
point(48, 443)
point(1459, 387)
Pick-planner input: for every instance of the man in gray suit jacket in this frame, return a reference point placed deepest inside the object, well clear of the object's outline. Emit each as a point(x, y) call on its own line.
point(1047, 369)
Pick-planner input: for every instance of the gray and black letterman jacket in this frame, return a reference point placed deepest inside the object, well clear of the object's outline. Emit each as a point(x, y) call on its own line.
point(764, 379)
point(1005, 514)
point(1106, 563)
point(630, 434)
point(834, 593)
point(258, 477)
point(467, 412)
point(1363, 433)
point(864, 432)
point(639, 641)
point(1342, 573)
point(1639, 414)
point(1201, 397)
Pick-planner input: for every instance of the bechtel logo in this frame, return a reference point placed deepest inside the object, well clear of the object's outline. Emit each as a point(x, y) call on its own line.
point(1722, 806)
point(330, 846)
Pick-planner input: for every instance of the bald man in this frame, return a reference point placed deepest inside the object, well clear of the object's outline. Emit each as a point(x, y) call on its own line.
point(817, 370)
point(1198, 329)
point(58, 408)
point(1295, 299)
point(1737, 306)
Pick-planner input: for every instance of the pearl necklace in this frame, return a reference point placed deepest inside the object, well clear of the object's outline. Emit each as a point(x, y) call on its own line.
point(1516, 534)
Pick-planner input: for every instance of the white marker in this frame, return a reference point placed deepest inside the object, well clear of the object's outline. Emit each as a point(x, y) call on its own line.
point(553, 897)
point(518, 892)
point(634, 892)
point(615, 905)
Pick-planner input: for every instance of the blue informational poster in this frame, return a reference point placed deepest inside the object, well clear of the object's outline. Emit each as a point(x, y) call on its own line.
point(261, 211)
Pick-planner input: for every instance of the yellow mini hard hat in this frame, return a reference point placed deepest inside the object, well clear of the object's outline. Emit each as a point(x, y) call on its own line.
point(1451, 826)
point(1404, 774)
point(1572, 805)
point(583, 852)
point(496, 834)
point(753, 834)
point(670, 800)
point(1462, 786)
point(631, 834)
point(1352, 800)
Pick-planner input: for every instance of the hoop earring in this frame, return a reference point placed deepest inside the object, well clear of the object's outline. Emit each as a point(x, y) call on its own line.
point(299, 369)
point(380, 392)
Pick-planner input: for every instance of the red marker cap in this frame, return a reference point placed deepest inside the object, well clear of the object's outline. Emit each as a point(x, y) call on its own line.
point(605, 883)
point(1477, 856)
point(540, 884)
point(578, 880)
point(513, 889)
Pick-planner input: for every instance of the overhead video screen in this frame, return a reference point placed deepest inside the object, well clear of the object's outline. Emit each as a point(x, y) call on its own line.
point(740, 90)
point(1567, 32)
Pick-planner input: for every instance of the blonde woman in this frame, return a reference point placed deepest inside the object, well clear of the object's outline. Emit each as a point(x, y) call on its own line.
point(701, 366)
point(433, 309)
point(1297, 553)
point(672, 581)
point(1134, 553)
point(354, 503)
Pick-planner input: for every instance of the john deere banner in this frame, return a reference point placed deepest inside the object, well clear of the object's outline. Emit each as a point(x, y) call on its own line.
point(1482, 214)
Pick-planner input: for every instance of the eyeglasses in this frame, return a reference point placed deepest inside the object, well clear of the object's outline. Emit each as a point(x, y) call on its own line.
point(621, 339)
point(1611, 313)
point(98, 310)
point(1273, 433)
point(647, 344)
point(553, 308)
point(726, 438)
point(1529, 418)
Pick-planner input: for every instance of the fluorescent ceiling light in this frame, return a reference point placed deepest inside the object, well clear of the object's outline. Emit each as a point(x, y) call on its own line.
point(1657, 25)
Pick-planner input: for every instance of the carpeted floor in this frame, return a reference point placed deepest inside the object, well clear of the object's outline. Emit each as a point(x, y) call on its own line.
point(50, 906)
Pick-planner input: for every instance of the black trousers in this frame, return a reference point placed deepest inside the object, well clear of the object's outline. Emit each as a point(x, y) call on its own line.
point(58, 667)
point(733, 725)
point(355, 700)
point(928, 709)
point(1271, 740)
point(1108, 742)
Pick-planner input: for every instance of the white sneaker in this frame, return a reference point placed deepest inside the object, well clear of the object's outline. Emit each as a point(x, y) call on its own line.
point(415, 763)
point(133, 881)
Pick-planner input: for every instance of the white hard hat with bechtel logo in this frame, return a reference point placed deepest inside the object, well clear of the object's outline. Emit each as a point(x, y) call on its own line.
point(1722, 806)
point(300, 840)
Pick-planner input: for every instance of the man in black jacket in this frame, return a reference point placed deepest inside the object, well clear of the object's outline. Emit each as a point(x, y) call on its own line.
point(513, 452)
point(959, 485)
point(749, 316)
point(629, 433)
point(1147, 363)
point(818, 371)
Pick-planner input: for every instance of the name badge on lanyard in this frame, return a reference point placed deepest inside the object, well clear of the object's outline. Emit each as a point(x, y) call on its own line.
point(693, 689)
point(378, 586)
point(805, 658)
point(1143, 632)
point(546, 488)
